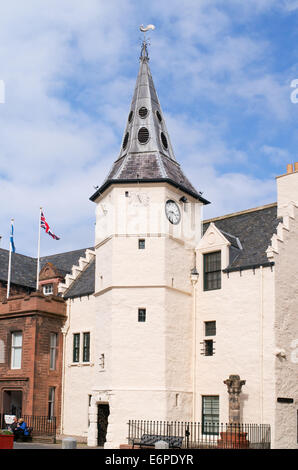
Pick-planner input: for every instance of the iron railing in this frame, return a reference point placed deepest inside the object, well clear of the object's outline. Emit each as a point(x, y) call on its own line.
point(42, 426)
point(194, 435)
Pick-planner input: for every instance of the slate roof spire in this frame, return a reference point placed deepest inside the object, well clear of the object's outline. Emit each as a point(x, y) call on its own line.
point(146, 153)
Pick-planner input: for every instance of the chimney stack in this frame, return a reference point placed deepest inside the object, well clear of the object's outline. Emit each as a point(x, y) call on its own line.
point(289, 168)
point(287, 189)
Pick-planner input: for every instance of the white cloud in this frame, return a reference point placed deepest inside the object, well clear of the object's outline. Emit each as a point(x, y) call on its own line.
point(69, 70)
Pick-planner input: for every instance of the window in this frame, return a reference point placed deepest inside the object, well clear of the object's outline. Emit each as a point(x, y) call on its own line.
point(212, 270)
point(210, 415)
point(76, 347)
point(210, 328)
point(51, 402)
point(142, 315)
point(208, 344)
point(48, 289)
point(141, 244)
point(16, 349)
point(208, 347)
point(102, 361)
point(53, 350)
point(86, 347)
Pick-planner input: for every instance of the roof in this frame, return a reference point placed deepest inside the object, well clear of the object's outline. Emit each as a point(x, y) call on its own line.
point(23, 268)
point(253, 229)
point(84, 284)
point(149, 158)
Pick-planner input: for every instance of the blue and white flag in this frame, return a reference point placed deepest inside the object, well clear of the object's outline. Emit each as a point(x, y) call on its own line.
point(12, 247)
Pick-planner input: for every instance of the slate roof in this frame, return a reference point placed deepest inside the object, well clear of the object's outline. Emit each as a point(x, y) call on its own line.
point(254, 229)
point(150, 160)
point(23, 268)
point(84, 284)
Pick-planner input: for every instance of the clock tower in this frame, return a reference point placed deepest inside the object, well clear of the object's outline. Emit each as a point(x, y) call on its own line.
point(148, 223)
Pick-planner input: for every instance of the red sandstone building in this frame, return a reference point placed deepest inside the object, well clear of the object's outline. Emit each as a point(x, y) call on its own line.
point(31, 340)
point(31, 355)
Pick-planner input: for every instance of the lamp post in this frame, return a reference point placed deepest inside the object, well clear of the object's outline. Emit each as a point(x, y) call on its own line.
point(194, 277)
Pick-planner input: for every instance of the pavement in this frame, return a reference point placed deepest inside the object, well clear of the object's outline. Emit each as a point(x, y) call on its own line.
point(41, 445)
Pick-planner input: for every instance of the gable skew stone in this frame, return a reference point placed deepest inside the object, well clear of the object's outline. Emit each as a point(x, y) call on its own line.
point(282, 228)
point(76, 271)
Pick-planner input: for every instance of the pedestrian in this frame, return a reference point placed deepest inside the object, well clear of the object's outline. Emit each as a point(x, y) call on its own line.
point(21, 429)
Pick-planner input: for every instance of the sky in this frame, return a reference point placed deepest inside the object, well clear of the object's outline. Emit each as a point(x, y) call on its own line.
point(223, 71)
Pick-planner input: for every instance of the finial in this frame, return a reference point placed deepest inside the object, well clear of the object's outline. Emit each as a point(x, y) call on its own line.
point(144, 51)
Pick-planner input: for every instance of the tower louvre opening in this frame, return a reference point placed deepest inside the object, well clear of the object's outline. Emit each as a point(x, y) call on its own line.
point(143, 135)
point(143, 112)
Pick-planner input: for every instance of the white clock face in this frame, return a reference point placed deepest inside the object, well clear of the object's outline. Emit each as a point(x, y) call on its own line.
point(173, 212)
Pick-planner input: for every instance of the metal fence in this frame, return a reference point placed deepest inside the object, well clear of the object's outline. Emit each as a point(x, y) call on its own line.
point(193, 435)
point(42, 426)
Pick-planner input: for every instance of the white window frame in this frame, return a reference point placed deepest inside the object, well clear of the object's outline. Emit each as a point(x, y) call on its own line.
point(16, 349)
point(51, 402)
point(53, 350)
point(47, 289)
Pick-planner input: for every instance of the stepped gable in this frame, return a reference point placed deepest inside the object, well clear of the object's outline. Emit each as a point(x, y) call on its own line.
point(84, 284)
point(80, 281)
point(23, 268)
point(254, 229)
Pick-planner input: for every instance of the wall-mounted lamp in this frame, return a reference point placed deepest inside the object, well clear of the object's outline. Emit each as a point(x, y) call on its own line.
point(194, 275)
point(183, 199)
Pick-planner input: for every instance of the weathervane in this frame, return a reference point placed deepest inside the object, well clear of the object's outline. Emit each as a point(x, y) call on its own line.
point(144, 51)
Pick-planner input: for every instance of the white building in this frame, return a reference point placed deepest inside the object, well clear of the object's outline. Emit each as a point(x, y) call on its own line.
point(166, 307)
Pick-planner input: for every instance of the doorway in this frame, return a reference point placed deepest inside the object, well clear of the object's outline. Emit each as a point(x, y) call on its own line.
point(103, 412)
point(12, 402)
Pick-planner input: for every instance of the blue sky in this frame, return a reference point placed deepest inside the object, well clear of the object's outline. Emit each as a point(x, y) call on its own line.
point(223, 73)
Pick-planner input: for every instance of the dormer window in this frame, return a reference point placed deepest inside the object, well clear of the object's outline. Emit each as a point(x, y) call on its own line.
point(212, 270)
point(48, 289)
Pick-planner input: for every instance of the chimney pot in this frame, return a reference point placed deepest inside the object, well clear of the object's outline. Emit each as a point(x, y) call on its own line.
point(296, 166)
point(290, 168)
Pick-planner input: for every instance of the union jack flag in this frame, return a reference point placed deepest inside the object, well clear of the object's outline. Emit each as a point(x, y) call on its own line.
point(45, 225)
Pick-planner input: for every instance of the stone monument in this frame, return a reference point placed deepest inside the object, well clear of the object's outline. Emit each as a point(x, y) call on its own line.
point(234, 437)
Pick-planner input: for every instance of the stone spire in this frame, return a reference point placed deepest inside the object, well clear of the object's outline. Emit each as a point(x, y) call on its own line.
point(146, 153)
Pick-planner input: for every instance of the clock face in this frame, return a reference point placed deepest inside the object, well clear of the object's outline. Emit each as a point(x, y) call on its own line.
point(173, 212)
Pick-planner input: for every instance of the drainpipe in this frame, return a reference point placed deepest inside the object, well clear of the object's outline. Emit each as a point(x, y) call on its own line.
point(261, 343)
point(194, 279)
point(64, 332)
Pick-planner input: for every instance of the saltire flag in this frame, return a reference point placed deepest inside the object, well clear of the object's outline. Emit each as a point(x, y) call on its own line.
point(45, 225)
point(12, 246)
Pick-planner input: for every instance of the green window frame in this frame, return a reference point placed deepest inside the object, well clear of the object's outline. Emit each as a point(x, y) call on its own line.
point(212, 270)
point(76, 348)
point(210, 415)
point(86, 347)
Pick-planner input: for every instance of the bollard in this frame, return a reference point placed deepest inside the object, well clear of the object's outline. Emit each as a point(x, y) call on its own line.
point(161, 445)
point(69, 443)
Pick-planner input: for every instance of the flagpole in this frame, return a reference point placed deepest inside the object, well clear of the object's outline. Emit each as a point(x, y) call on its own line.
point(9, 262)
point(38, 250)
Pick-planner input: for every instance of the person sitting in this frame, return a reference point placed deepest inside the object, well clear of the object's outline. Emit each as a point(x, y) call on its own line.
point(21, 429)
point(12, 427)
